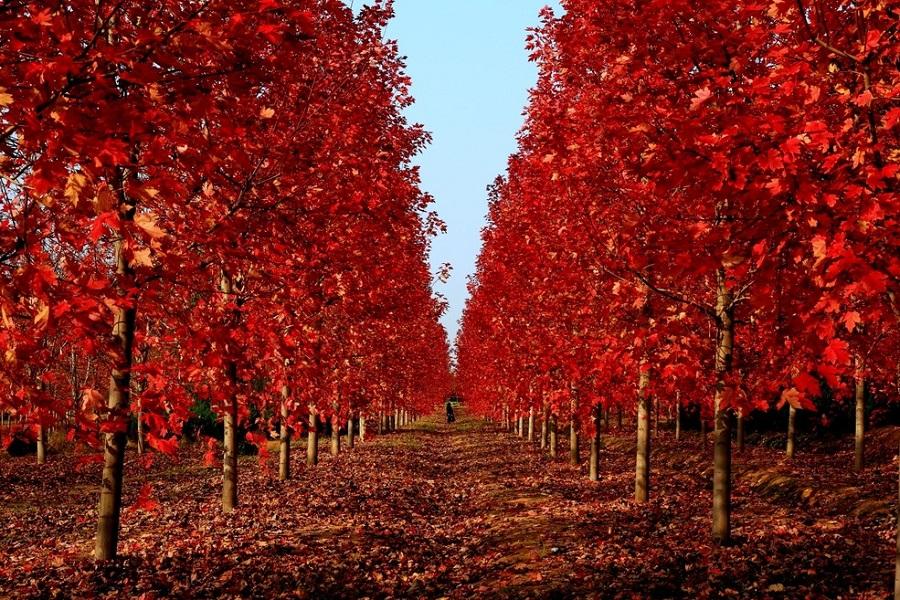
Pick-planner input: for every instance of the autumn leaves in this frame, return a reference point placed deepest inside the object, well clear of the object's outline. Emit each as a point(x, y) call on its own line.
point(225, 188)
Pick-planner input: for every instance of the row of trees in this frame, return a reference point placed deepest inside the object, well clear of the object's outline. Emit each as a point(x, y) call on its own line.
point(210, 201)
point(702, 211)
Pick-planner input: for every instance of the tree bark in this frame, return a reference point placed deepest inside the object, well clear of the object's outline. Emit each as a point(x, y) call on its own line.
point(335, 435)
point(721, 526)
point(897, 552)
point(362, 428)
point(545, 426)
point(229, 463)
point(531, 424)
point(594, 470)
point(284, 441)
point(351, 442)
point(41, 445)
point(312, 439)
point(791, 432)
point(554, 442)
point(677, 419)
point(574, 454)
point(642, 462)
point(124, 316)
point(860, 451)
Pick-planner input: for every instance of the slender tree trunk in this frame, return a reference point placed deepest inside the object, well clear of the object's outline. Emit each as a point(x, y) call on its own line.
point(897, 552)
point(621, 417)
point(574, 454)
point(594, 471)
point(518, 426)
point(545, 426)
point(362, 428)
point(284, 441)
point(312, 440)
point(642, 463)
point(229, 464)
point(335, 435)
point(140, 428)
point(531, 424)
point(677, 419)
point(554, 441)
point(656, 411)
point(41, 445)
point(740, 431)
point(791, 432)
point(107, 539)
point(351, 442)
point(721, 527)
point(860, 451)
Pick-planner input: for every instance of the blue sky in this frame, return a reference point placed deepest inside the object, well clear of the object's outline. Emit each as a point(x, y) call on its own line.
point(471, 77)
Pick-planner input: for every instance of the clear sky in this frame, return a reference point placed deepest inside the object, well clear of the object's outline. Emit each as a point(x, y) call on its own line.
point(471, 77)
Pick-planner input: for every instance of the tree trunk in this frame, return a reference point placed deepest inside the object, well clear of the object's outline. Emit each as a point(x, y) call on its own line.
point(677, 419)
point(362, 428)
point(518, 427)
point(791, 432)
point(554, 442)
point(41, 445)
point(740, 431)
point(860, 451)
point(140, 428)
point(229, 464)
point(656, 411)
point(642, 463)
point(284, 441)
point(621, 417)
point(531, 424)
point(351, 442)
point(335, 435)
point(703, 428)
point(574, 454)
point(594, 471)
point(897, 552)
point(124, 317)
point(545, 426)
point(312, 439)
point(721, 527)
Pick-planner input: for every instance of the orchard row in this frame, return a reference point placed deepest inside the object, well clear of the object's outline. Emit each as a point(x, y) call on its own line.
point(209, 203)
point(702, 214)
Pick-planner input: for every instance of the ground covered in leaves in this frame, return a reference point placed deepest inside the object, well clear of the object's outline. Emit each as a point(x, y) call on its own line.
point(458, 511)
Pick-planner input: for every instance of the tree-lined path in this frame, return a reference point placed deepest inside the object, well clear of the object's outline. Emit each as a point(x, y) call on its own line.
point(462, 511)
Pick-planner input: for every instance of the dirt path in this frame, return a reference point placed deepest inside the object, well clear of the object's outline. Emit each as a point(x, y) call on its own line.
point(457, 511)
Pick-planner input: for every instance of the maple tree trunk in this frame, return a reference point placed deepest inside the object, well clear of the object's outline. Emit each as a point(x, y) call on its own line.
point(677, 421)
point(642, 463)
point(380, 423)
point(531, 424)
point(518, 428)
point(897, 551)
point(284, 442)
point(41, 445)
point(721, 517)
point(655, 406)
point(140, 429)
point(791, 432)
point(362, 428)
point(574, 454)
point(594, 469)
point(110, 507)
point(351, 443)
point(545, 426)
point(229, 464)
point(554, 442)
point(740, 431)
point(860, 448)
point(312, 439)
point(335, 435)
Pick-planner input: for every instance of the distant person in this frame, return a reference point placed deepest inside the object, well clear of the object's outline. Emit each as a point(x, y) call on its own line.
point(450, 416)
